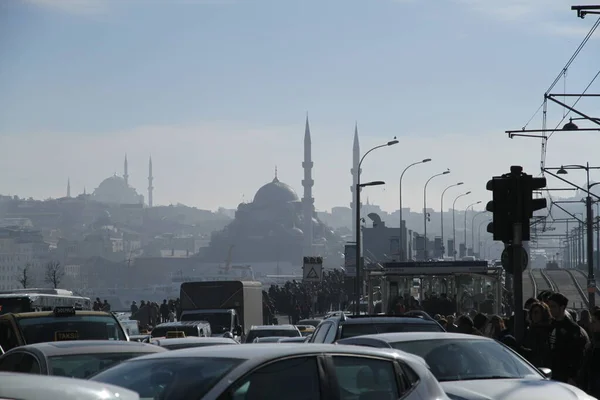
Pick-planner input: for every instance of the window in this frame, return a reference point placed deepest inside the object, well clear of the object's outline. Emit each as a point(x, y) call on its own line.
point(10, 362)
point(83, 366)
point(82, 327)
point(169, 378)
point(468, 359)
point(365, 378)
point(351, 330)
point(321, 332)
point(292, 379)
point(28, 365)
point(8, 337)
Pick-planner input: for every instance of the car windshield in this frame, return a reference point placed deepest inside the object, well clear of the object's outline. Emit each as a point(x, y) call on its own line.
point(169, 378)
point(261, 333)
point(189, 345)
point(73, 327)
point(351, 330)
point(219, 322)
point(83, 366)
point(469, 359)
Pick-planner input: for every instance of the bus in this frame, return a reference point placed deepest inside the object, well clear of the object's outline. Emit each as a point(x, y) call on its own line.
point(28, 300)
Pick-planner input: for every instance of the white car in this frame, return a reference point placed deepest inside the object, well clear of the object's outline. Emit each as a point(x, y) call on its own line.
point(35, 387)
point(284, 371)
point(475, 367)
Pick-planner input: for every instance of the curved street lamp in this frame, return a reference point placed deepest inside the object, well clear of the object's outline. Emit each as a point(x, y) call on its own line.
point(442, 213)
point(401, 237)
point(357, 198)
point(454, 222)
point(446, 172)
point(473, 230)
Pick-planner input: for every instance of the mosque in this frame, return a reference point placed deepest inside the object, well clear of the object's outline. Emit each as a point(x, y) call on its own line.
point(278, 226)
point(116, 189)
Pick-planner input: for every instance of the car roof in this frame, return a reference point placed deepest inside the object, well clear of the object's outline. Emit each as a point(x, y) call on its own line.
point(259, 353)
point(39, 314)
point(180, 324)
point(73, 347)
point(33, 387)
point(286, 327)
point(414, 336)
point(388, 320)
point(195, 339)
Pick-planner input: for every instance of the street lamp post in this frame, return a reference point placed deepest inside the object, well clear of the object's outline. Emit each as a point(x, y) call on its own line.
point(442, 211)
point(473, 230)
point(401, 237)
point(466, 212)
point(589, 227)
point(479, 236)
point(446, 172)
point(454, 222)
point(358, 228)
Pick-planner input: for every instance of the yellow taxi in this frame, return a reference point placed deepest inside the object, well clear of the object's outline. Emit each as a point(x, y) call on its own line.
point(306, 330)
point(63, 323)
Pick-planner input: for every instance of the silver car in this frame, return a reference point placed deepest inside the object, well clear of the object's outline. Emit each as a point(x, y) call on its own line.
point(35, 387)
point(475, 367)
point(284, 371)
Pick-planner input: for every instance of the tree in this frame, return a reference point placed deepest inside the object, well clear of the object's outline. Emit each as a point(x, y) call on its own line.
point(24, 276)
point(54, 273)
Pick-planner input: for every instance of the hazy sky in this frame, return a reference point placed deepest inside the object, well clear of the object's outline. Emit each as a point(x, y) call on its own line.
point(217, 92)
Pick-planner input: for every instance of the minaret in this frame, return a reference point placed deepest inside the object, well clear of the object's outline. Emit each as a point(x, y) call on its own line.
point(125, 172)
point(150, 179)
point(69, 187)
point(308, 206)
point(354, 171)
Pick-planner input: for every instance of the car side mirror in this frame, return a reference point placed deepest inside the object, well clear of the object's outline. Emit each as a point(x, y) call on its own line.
point(237, 331)
point(547, 372)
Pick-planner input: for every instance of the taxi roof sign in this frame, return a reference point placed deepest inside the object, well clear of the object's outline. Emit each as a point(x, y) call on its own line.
point(64, 311)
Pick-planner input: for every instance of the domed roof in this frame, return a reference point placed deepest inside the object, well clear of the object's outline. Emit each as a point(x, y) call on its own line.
point(115, 190)
point(275, 193)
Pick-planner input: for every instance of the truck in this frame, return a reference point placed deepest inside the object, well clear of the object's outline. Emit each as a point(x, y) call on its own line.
point(230, 307)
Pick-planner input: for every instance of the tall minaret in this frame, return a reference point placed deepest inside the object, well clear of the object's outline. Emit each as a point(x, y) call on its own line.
point(150, 179)
point(354, 171)
point(125, 172)
point(68, 187)
point(308, 206)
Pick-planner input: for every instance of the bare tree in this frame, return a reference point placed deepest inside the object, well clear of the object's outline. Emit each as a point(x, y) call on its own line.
point(24, 276)
point(54, 273)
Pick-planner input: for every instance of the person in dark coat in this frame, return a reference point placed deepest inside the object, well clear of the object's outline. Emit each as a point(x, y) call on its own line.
point(566, 342)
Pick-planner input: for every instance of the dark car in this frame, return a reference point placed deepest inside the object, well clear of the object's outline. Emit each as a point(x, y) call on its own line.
point(75, 359)
point(341, 327)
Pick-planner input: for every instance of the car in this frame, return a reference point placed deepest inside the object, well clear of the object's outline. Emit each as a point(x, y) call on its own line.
point(74, 359)
point(260, 331)
point(285, 371)
point(192, 341)
point(340, 327)
point(29, 387)
point(314, 322)
point(63, 323)
point(473, 367)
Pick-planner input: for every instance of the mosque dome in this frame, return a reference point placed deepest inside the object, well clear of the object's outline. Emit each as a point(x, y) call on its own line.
point(275, 193)
point(116, 190)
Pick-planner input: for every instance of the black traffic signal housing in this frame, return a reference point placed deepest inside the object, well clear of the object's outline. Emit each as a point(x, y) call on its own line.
point(500, 207)
point(529, 185)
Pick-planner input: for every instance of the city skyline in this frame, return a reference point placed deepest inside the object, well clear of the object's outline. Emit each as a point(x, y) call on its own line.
point(219, 114)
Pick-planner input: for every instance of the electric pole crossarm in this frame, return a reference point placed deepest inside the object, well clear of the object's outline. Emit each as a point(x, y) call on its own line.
point(572, 109)
point(546, 170)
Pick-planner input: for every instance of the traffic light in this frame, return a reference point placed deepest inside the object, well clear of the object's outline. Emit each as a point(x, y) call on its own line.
point(529, 184)
point(500, 207)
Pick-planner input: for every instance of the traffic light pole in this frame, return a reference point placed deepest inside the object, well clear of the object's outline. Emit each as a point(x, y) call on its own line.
point(517, 246)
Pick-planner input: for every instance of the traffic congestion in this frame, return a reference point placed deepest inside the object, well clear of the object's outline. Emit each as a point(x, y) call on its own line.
point(220, 347)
